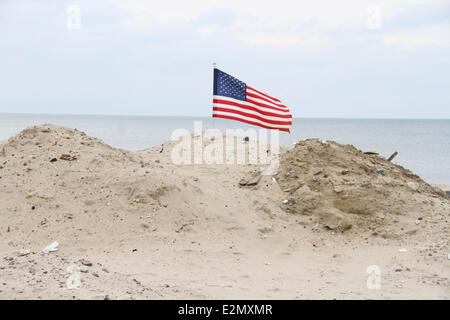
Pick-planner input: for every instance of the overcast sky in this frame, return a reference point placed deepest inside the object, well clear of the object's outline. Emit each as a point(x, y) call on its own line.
point(359, 59)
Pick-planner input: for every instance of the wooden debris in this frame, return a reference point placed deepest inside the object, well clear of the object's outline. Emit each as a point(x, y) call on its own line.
point(371, 152)
point(392, 156)
point(67, 157)
point(318, 172)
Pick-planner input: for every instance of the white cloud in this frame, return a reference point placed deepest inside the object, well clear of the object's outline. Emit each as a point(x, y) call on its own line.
point(284, 23)
point(411, 40)
point(283, 39)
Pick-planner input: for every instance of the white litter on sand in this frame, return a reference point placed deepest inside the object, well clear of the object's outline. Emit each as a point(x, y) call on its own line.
point(51, 247)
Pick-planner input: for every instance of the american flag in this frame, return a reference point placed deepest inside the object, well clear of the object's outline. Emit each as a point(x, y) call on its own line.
point(235, 100)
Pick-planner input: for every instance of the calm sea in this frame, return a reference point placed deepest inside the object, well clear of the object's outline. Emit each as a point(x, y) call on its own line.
point(423, 145)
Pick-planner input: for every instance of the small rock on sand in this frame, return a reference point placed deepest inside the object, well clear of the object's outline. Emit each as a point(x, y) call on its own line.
point(24, 252)
point(85, 262)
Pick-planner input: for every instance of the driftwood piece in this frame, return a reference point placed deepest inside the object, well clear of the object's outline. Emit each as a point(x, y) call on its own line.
point(392, 156)
point(68, 157)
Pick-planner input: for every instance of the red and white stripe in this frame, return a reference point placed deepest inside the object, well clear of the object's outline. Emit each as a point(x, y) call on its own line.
point(260, 109)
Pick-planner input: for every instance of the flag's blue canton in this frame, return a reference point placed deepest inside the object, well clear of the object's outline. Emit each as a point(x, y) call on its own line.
point(228, 86)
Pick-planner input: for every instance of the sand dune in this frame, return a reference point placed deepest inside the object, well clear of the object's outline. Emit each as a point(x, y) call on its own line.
point(141, 227)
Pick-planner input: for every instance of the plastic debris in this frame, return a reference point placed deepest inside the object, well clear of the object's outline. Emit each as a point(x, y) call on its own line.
point(51, 247)
point(84, 269)
point(402, 250)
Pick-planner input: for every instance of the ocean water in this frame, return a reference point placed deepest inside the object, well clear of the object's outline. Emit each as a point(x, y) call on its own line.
point(423, 145)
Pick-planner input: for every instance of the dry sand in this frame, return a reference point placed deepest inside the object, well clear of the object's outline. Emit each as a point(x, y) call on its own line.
point(147, 228)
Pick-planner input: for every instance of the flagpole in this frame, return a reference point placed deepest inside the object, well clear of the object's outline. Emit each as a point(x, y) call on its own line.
point(214, 66)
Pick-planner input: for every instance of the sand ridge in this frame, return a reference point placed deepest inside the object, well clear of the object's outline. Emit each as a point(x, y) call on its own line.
point(344, 187)
point(153, 229)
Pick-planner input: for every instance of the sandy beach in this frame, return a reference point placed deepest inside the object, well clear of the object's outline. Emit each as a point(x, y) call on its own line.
point(134, 225)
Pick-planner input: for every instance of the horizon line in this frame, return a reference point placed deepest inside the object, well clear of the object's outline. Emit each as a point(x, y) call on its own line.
point(187, 116)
